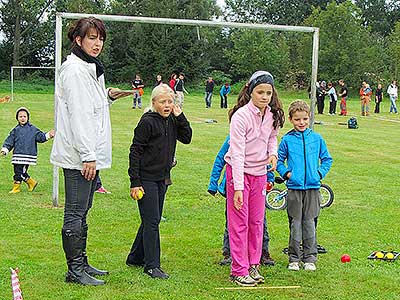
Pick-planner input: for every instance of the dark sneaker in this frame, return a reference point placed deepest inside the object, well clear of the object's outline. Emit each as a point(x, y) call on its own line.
point(156, 273)
point(255, 274)
point(321, 249)
point(227, 260)
point(134, 263)
point(243, 280)
point(266, 259)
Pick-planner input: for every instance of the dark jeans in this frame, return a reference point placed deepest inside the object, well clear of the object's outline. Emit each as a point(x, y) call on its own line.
point(78, 200)
point(208, 98)
point(224, 101)
point(21, 172)
point(265, 242)
point(146, 249)
point(332, 107)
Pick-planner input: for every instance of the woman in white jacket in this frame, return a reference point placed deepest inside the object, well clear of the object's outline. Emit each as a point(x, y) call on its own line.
point(82, 144)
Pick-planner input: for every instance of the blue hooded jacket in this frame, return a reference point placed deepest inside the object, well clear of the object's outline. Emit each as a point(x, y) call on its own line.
point(306, 157)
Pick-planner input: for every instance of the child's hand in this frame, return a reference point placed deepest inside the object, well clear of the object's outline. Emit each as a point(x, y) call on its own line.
point(272, 163)
point(238, 200)
point(51, 133)
point(2, 153)
point(137, 193)
point(176, 110)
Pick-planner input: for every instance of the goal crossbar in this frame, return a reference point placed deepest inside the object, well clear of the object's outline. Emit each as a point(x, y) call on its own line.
point(188, 22)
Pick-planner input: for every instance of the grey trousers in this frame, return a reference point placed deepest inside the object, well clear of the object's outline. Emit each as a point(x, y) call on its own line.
point(303, 207)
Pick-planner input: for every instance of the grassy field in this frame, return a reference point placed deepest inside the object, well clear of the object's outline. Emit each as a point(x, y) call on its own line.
point(363, 218)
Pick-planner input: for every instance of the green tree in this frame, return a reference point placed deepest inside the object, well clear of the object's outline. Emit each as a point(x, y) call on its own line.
point(347, 49)
point(394, 51)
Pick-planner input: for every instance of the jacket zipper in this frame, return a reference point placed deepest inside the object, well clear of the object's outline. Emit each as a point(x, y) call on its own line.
point(305, 161)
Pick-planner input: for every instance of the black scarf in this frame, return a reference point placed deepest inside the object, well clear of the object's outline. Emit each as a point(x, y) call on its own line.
point(89, 59)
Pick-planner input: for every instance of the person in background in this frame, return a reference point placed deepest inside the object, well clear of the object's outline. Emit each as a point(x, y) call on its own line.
point(209, 90)
point(343, 94)
point(23, 141)
point(179, 89)
point(378, 98)
point(100, 188)
point(365, 98)
point(393, 94)
point(332, 99)
point(137, 85)
point(224, 92)
point(158, 80)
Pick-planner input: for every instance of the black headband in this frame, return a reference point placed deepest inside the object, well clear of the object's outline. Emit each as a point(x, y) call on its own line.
point(264, 78)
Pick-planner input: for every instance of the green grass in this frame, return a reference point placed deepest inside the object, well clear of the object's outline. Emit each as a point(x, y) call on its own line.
point(364, 216)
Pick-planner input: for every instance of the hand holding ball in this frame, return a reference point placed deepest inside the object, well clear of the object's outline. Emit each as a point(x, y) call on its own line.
point(139, 195)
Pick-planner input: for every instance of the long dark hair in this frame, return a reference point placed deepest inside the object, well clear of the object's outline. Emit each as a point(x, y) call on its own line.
point(82, 26)
point(276, 106)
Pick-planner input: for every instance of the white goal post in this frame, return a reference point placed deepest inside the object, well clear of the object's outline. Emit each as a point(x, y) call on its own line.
point(21, 67)
point(188, 22)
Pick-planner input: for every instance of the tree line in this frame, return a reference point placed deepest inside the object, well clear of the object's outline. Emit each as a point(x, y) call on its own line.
point(359, 40)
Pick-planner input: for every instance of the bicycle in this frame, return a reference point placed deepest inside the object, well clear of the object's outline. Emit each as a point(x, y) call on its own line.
point(275, 199)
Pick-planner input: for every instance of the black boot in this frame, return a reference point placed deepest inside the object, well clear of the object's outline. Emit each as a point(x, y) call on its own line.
point(73, 252)
point(88, 268)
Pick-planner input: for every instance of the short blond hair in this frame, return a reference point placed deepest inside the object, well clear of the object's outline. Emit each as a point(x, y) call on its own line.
point(161, 89)
point(298, 105)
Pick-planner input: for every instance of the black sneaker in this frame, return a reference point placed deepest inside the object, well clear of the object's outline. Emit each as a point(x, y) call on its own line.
point(156, 273)
point(266, 259)
point(227, 260)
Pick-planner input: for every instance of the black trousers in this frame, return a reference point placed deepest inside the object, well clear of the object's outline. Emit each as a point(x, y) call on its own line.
point(320, 105)
point(332, 107)
point(224, 101)
point(146, 248)
point(78, 199)
point(21, 172)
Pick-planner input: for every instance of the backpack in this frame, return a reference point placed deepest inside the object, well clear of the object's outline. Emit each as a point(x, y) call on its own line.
point(352, 123)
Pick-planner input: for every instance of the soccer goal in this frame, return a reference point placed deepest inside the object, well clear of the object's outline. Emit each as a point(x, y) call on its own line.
point(22, 67)
point(188, 22)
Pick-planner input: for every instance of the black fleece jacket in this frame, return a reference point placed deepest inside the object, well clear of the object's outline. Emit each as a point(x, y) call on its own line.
point(153, 146)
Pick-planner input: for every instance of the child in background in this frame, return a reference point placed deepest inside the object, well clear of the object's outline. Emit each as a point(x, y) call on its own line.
point(23, 139)
point(179, 89)
point(210, 83)
point(158, 80)
point(172, 81)
point(303, 160)
point(150, 162)
point(365, 97)
point(213, 187)
point(332, 99)
point(137, 86)
point(343, 93)
point(223, 92)
point(100, 189)
point(254, 123)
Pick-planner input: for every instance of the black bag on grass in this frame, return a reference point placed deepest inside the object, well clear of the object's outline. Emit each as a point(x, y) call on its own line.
point(352, 123)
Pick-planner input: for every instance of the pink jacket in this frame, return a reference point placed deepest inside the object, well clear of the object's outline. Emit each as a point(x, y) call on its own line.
point(253, 140)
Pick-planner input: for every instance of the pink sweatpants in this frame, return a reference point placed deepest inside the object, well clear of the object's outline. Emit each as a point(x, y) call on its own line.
point(245, 226)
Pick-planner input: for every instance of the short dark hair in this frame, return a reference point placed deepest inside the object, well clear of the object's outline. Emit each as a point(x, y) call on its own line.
point(82, 26)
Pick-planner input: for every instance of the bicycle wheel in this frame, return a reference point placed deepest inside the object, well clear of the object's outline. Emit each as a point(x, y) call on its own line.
point(275, 199)
point(326, 195)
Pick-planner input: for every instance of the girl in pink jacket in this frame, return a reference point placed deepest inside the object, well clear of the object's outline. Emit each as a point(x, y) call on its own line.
point(254, 123)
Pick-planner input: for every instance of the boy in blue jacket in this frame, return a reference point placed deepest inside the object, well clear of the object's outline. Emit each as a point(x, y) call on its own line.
point(23, 139)
point(214, 187)
point(303, 160)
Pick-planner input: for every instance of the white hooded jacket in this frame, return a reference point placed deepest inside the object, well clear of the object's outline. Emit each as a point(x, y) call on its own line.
point(83, 126)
